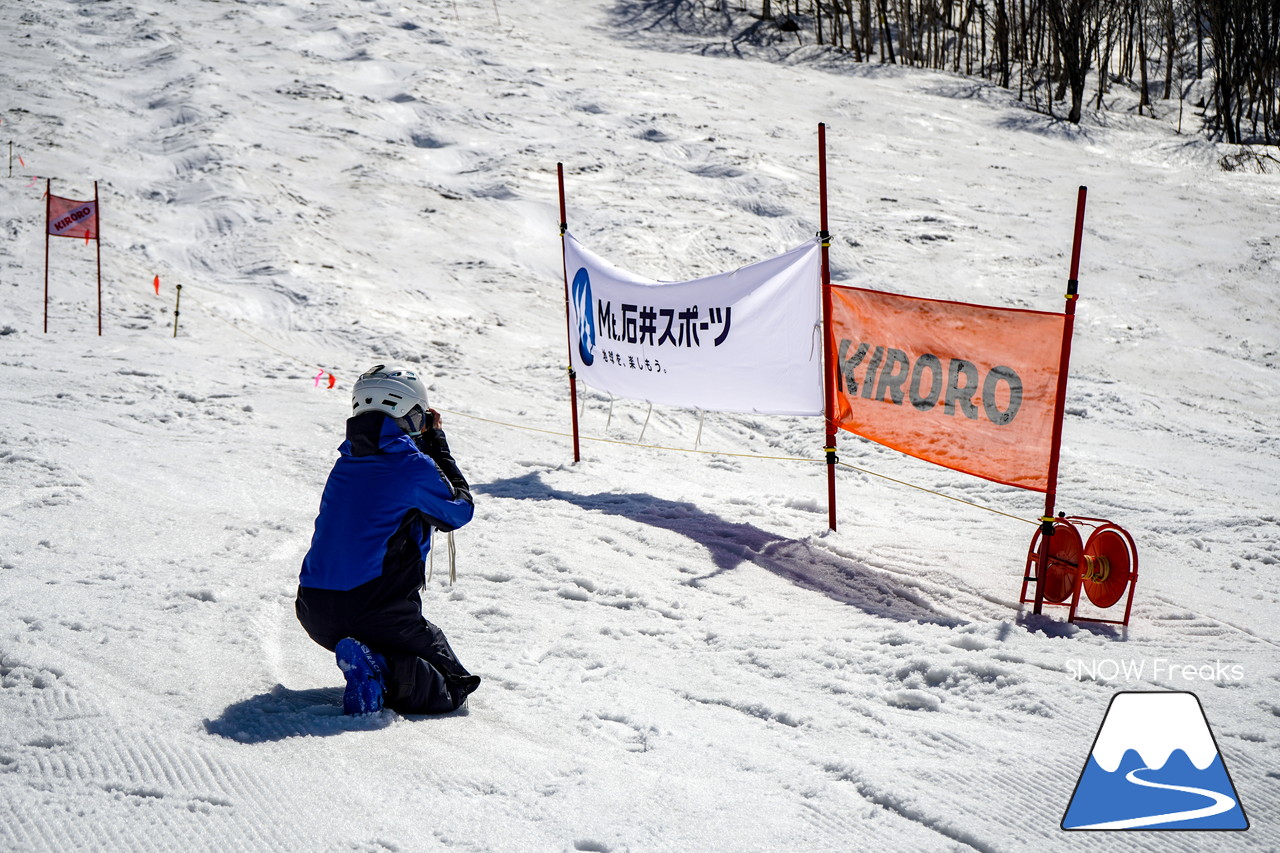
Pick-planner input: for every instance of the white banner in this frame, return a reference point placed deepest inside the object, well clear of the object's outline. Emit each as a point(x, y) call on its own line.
point(744, 341)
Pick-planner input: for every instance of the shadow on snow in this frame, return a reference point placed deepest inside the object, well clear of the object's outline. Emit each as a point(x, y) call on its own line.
point(731, 544)
point(283, 713)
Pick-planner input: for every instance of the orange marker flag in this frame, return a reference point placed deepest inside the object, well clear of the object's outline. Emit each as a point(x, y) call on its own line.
point(332, 381)
point(156, 283)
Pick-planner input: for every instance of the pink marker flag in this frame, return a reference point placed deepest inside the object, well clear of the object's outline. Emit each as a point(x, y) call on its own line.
point(70, 218)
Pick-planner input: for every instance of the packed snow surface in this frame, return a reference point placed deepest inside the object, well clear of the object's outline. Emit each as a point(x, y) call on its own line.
point(677, 654)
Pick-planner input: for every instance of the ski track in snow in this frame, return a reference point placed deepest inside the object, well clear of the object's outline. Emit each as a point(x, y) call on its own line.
point(677, 655)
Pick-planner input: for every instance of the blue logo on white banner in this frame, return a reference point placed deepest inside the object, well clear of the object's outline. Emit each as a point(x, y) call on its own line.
point(586, 321)
point(1155, 765)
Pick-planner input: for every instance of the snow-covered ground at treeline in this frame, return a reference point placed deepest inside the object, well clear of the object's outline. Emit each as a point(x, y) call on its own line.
point(677, 654)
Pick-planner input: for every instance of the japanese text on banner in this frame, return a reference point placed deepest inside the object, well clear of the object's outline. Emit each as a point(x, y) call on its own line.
point(743, 341)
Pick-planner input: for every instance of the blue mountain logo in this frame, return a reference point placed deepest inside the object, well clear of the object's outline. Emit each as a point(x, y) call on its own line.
point(582, 304)
point(1155, 765)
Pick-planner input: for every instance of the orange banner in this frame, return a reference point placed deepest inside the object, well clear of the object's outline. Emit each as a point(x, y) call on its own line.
point(968, 387)
point(70, 218)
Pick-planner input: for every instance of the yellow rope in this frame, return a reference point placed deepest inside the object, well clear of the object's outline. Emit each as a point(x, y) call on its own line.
point(742, 455)
point(297, 360)
point(625, 443)
point(939, 494)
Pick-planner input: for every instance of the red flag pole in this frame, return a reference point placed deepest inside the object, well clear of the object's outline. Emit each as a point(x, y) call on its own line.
point(1059, 405)
point(828, 359)
point(97, 222)
point(48, 210)
point(573, 378)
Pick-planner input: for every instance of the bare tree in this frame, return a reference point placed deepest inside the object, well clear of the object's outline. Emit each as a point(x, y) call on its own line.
point(1075, 25)
point(1054, 45)
point(1144, 99)
point(1002, 42)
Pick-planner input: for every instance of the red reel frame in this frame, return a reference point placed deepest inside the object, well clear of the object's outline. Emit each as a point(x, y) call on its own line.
point(1102, 566)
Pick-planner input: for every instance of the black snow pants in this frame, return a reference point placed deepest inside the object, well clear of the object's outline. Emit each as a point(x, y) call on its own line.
point(424, 675)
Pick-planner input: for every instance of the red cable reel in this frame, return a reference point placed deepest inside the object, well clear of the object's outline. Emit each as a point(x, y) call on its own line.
point(1103, 566)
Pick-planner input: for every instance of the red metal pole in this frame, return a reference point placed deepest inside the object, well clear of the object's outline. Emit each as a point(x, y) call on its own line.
point(1059, 405)
point(48, 202)
point(97, 216)
point(573, 377)
point(828, 358)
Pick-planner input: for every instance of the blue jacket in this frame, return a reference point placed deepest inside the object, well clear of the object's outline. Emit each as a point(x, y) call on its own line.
point(382, 498)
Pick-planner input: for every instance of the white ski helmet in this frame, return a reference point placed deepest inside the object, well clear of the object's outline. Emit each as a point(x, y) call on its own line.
point(397, 391)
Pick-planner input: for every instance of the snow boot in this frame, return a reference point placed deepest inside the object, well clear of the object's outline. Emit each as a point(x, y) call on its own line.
point(462, 685)
point(366, 674)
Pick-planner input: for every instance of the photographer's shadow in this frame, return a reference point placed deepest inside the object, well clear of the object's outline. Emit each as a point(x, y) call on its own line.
point(283, 713)
point(731, 544)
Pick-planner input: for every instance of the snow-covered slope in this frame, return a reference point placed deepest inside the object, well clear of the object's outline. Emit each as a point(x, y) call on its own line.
point(677, 655)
